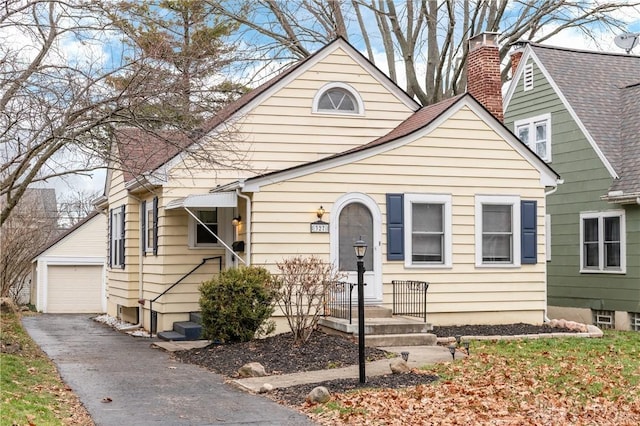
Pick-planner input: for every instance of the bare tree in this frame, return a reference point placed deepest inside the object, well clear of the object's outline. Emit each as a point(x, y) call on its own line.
point(75, 206)
point(59, 106)
point(423, 42)
point(32, 224)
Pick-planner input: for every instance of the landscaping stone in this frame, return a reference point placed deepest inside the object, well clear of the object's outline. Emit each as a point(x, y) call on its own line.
point(252, 369)
point(266, 388)
point(319, 395)
point(399, 365)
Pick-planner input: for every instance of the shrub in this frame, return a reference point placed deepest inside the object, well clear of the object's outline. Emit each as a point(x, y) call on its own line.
point(303, 283)
point(237, 304)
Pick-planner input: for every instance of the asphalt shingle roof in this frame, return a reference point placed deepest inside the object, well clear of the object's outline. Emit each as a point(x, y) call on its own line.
point(602, 89)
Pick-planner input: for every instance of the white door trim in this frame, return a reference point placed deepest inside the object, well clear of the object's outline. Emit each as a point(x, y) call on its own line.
point(376, 214)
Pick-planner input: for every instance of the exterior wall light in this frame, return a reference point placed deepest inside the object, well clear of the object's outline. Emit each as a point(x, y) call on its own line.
point(236, 220)
point(320, 213)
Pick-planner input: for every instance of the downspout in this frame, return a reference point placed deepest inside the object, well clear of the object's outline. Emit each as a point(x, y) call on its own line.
point(140, 280)
point(248, 225)
point(546, 284)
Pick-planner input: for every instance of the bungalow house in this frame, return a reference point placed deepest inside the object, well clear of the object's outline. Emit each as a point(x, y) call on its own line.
point(331, 151)
point(580, 111)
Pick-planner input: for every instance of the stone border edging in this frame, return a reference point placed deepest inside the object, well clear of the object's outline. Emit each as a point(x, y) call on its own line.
point(592, 332)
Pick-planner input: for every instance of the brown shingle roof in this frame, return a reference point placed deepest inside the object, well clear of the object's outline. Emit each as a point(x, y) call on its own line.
point(594, 85)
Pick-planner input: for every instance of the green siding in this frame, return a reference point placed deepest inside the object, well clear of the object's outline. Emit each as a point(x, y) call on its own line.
point(585, 181)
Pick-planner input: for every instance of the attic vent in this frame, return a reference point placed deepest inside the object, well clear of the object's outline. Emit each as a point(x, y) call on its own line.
point(528, 77)
point(604, 319)
point(635, 320)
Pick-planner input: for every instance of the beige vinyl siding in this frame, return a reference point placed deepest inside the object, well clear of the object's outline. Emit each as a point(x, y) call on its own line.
point(89, 241)
point(282, 213)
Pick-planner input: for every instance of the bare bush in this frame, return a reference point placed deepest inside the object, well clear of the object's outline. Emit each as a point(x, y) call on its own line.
point(302, 284)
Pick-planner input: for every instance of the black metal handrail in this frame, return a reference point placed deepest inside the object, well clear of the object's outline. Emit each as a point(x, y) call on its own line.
point(154, 314)
point(410, 298)
point(338, 302)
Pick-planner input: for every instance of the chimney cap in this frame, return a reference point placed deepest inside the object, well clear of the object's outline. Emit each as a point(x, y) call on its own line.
point(519, 45)
point(483, 39)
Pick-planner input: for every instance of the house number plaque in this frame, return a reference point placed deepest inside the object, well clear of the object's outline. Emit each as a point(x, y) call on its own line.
point(319, 227)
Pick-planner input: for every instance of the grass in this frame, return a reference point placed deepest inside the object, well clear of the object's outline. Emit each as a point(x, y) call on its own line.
point(31, 391)
point(544, 381)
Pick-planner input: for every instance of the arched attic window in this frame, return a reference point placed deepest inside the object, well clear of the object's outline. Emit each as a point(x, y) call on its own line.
point(338, 98)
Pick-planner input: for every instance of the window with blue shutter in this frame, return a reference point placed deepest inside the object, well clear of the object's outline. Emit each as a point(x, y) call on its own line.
point(528, 222)
point(395, 227)
point(155, 226)
point(143, 227)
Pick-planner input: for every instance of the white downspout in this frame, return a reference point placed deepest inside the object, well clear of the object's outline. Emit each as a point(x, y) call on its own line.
point(546, 284)
point(247, 227)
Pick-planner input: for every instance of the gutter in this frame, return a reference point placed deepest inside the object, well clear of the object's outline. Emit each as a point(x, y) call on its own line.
point(619, 197)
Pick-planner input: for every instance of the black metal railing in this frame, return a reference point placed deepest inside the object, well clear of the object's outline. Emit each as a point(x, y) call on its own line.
point(410, 298)
point(154, 314)
point(339, 299)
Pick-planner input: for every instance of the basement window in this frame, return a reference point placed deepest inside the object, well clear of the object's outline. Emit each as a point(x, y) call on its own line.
point(634, 318)
point(604, 319)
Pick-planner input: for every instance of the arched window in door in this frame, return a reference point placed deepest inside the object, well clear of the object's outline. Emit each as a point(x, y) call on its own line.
point(355, 222)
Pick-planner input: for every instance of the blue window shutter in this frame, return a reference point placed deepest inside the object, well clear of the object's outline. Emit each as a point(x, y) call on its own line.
point(122, 222)
point(395, 227)
point(143, 226)
point(528, 217)
point(155, 226)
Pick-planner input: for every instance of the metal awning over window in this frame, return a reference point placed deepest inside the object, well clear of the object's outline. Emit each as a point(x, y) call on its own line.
point(200, 201)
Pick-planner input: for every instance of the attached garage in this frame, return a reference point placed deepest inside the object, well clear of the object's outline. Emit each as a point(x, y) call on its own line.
point(69, 275)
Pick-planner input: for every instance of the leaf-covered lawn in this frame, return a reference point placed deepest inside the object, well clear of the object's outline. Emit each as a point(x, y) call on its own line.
point(31, 391)
point(562, 381)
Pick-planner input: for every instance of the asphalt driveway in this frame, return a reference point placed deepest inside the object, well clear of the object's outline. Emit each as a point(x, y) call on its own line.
point(145, 385)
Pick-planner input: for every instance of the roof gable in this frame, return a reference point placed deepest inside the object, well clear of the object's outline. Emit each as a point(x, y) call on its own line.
point(419, 124)
point(165, 148)
point(71, 231)
point(591, 87)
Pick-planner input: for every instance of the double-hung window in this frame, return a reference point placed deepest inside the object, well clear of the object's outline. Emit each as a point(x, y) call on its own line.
point(149, 226)
point(497, 231)
point(602, 241)
point(427, 230)
point(116, 237)
point(536, 134)
point(200, 231)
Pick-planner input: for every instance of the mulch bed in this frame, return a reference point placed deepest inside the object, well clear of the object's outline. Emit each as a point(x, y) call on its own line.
point(323, 351)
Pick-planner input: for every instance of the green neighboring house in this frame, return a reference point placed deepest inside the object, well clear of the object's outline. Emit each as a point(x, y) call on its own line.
point(580, 112)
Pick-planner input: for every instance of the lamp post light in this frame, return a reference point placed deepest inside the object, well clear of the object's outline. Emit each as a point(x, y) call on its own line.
point(452, 350)
point(361, 249)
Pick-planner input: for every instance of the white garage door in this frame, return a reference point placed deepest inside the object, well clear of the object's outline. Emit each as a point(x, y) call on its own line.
point(74, 289)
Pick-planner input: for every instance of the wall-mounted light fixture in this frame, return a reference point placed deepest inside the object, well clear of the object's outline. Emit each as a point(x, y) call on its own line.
point(236, 220)
point(320, 213)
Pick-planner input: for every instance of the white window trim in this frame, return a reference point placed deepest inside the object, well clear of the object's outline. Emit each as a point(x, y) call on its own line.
point(146, 244)
point(193, 227)
point(116, 237)
point(623, 242)
point(339, 85)
point(530, 122)
point(527, 77)
point(514, 201)
point(444, 199)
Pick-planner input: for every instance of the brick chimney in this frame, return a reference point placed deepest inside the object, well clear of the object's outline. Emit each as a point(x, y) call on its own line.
point(483, 72)
point(516, 55)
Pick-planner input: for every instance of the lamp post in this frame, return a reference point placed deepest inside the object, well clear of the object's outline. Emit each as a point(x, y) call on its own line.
point(361, 248)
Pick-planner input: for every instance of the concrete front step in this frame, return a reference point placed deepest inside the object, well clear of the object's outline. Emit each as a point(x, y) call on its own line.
point(394, 331)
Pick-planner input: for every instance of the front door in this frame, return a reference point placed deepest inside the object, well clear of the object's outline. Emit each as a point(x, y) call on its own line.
point(357, 217)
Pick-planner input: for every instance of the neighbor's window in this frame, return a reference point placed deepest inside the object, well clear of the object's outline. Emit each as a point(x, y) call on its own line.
point(602, 240)
point(199, 235)
point(338, 98)
point(427, 230)
point(497, 231)
point(536, 134)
